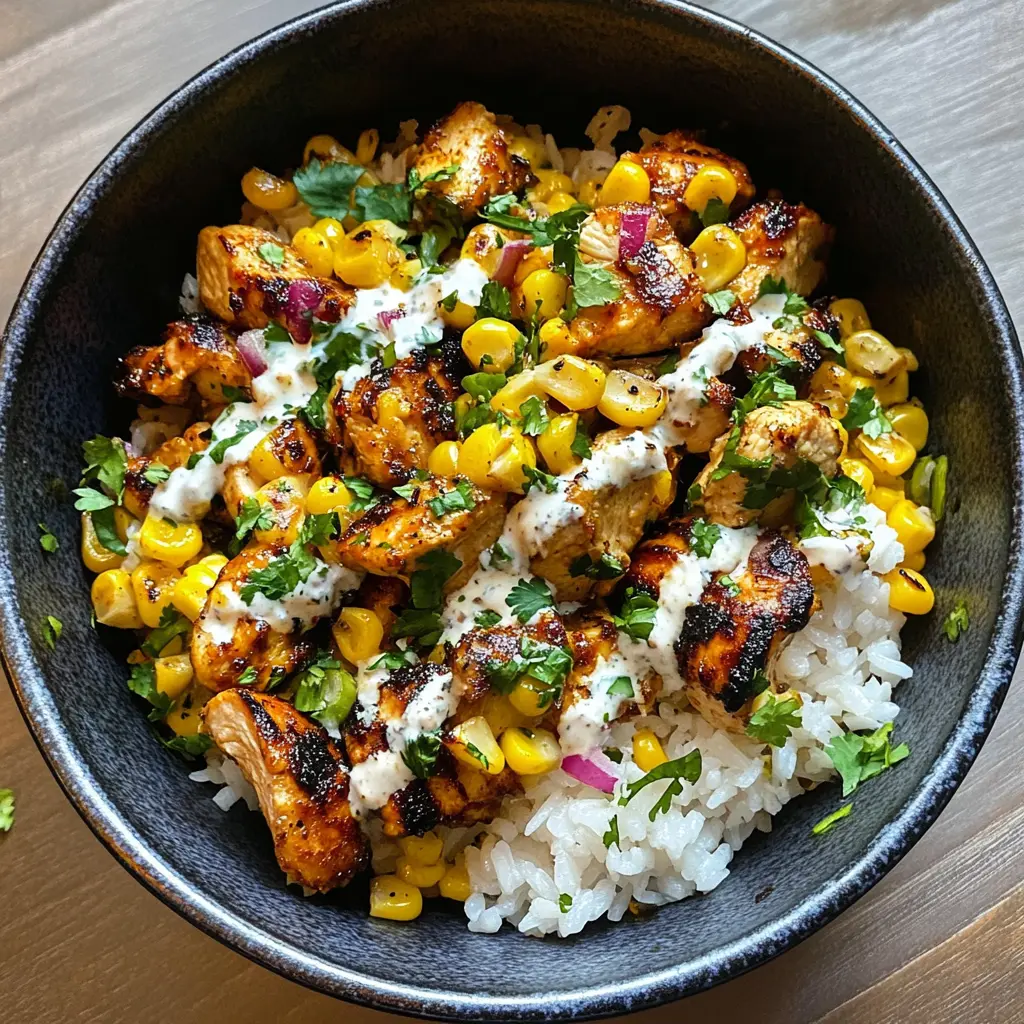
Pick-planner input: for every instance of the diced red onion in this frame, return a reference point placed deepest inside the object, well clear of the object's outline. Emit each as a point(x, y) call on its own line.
point(511, 253)
point(633, 231)
point(303, 299)
point(386, 319)
point(594, 768)
point(252, 348)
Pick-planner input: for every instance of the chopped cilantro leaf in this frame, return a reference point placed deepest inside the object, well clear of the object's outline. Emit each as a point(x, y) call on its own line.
point(47, 541)
point(390, 201)
point(769, 387)
point(450, 301)
point(421, 753)
point(326, 691)
point(769, 286)
point(637, 615)
point(721, 301)
point(703, 537)
point(52, 629)
point(142, 682)
point(483, 386)
point(861, 756)
point(495, 301)
point(252, 515)
point(364, 496)
point(795, 305)
point(535, 416)
point(564, 902)
point(189, 747)
point(539, 479)
point(326, 188)
point(716, 212)
point(499, 556)
point(219, 450)
point(543, 662)
point(667, 365)
point(172, 624)
point(249, 676)
point(622, 686)
point(581, 442)
point(612, 835)
point(956, 622)
point(528, 597)
point(392, 660)
point(486, 619)
point(106, 461)
point(6, 809)
point(285, 572)
point(729, 585)
point(865, 412)
point(156, 473)
point(831, 820)
point(272, 253)
point(593, 285)
point(686, 768)
point(774, 720)
point(607, 567)
point(827, 341)
point(91, 500)
point(458, 500)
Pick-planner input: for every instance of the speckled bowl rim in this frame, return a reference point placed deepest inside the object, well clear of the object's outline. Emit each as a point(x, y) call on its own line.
point(821, 906)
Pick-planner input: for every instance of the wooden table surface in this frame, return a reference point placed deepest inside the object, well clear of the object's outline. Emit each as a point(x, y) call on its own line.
point(940, 939)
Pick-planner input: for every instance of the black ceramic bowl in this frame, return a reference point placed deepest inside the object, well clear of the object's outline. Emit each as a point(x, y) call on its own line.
point(109, 276)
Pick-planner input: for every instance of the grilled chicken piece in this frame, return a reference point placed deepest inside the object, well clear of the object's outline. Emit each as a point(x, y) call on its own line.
point(224, 647)
point(800, 345)
point(394, 534)
point(383, 595)
point(787, 435)
point(454, 794)
point(784, 241)
point(661, 298)
point(302, 783)
point(671, 163)
point(393, 419)
point(729, 639)
point(612, 513)
point(240, 287)
point(470, 139)
point(197, 354)
point(173, 453)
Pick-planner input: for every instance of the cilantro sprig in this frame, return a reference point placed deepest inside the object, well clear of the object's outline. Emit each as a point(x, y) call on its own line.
point(683, 769)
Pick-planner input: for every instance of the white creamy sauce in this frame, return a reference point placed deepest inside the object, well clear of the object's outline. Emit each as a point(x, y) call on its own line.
point(371, 782)
point(538, 518)
point(634, 457)
point(485, 591)
point(427, 711)
point(581, 724)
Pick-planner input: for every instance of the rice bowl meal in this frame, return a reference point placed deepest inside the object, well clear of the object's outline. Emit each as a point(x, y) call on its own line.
point(522, 525)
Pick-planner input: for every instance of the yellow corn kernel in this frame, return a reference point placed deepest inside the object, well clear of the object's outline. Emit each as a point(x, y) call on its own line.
point(184, 718)
point(316, 250)
point(626, 183)
point(284, 501)
point(327, 494)
point(529, 149)
point(267, 191)
point(544, 294)
point(455, 883)
point(175, 646)
point(494, 457)
point(173, 675)
point(473, 743)
point(113, 600)
point(870, 354)
point(153, 584)
point(366, 258)
point(852, 315)
point(914, 526)
point(664, 488)
point(895, 391)
point(577, 383)
point(890, 452)
point(96, 557)
point(915, 561)
point(173, 543)
point(559, 202)
point(366, 147)
point(909, 420)
point(122, 520)
point(500, 714)
point(424, 850)
point(712, 181)
point(720, 256)
point(531, 697)
point(423, 876)
point(648, 752)
point(631, 401)
point(555, 444)
point(482, 247)
point(462, 405)
point(844, 437)
point(885, 497)
point(555, 339)
point(531, 751)
point(490, 344)
point(550, 181)
point(394, 900)
point(590, 192)
point(909, 358)
point(189, 593)
point(477, 453)
point(831, 380)
point(519, 388)
point(820, 576)
point(263, 463)
point(327, 147)
point(444, 459)
point(909, 592)
point(860, 472)
point(403, 277)
point(358, 632)
point(460, 316)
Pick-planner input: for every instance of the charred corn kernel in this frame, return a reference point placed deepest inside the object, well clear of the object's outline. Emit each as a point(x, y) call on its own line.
point(358, 632)
point(532, 151)
point(460, 316)
point(267, 191)
point(515, 452)
point(844, 437)
point(711, 182)
point(909, 358)
point(393, 405)
point(316, 250)
point(664, 487)
point(500, 714)
point(423, 876)
point(648, 752)
point(153, 584)
point(189, 593)
point(914, 526)
point(473, 743)
point(559, 202)
point(366, 147)
point(490, 344)
point(590, 192)
point(173, 675)
point(171, 649)
point(483, 248)
point(366, 258)
point(284, 502)
point(444, 459)
point(860, 472)
point(720, 256)
point(872, 355)
point(113, 600)
point(544, 294)
point(403, 277)
point(890, 452)
point(394, 900)
point(915, 561)
point(96, 557)
point(173, 543)
point(910, 421)
point(894, 483)
point(327, 147)
point(327, 494)
point(555, 339)
point(828, 380)
point(631, 401)
point(885, 497)
point(626, 183)
point(425, 849)
point(184, 718)
point(852, 315)
point(909, 592)
point(549, 182)
point(519, 388)
point(531, 697)
point(455, 883)
point(576, 383)
point(555, 444)
point(264, 463)
point(895, 391)
point(531, 751)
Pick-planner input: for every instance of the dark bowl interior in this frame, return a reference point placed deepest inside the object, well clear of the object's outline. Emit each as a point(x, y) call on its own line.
point(109, 278)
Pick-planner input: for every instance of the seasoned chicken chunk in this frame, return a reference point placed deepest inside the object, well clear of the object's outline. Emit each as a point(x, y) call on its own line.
point(661, 299)
point(302, 783)
point(776, 439)
point(241, 285)
point(172, 454)
point(671, 163)
point(799, 346)
point(393, 419)
point(784, 241)
point(196, 354)
point(470, 139)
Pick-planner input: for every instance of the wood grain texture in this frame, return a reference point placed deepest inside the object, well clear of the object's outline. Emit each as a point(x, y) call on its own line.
point(938, 940)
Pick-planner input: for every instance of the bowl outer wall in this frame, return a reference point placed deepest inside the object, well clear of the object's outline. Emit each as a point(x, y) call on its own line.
point(233, 890)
